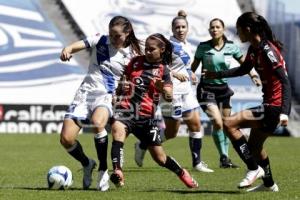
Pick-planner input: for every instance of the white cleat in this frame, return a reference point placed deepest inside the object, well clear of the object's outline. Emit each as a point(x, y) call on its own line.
point(103, 181)
point(262, 188)
point(139, 154)
point(87, 174)
point(251, 177)
point(203, 167)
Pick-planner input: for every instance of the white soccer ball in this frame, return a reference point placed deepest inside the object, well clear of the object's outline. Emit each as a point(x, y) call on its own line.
point(59, 177)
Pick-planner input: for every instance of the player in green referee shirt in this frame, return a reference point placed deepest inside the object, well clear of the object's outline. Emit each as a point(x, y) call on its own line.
point(214, 94)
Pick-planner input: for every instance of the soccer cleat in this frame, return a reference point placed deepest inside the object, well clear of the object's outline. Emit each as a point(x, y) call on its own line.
point(262, 188)
point(251, 177)
point(117, 178)
point(103, 181)
point(225, 162)
point(187, 179)
point(87, 174)
point(139, 154)
point(202, 167)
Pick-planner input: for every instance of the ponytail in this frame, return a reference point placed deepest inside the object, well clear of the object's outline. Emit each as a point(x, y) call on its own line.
point(260, 26)
point(268, 34)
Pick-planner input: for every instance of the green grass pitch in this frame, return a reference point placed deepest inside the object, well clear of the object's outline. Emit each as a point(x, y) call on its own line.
point(25, 160)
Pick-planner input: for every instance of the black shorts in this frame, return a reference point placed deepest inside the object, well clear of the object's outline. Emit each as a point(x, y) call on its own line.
point(218, 94)
point(145, 129)
point(269, 116)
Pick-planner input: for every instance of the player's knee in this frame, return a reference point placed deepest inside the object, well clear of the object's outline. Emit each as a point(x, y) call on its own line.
point(66, 141)
point(194, 127)
point(98, 125)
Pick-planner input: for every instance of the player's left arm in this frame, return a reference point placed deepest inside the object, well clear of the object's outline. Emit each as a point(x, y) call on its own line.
point(276, 61)
point(281, 74)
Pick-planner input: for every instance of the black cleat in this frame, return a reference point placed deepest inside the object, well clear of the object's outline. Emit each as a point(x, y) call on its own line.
point(225, 162)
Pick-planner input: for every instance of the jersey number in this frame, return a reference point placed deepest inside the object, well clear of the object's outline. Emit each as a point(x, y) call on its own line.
point(155, 134)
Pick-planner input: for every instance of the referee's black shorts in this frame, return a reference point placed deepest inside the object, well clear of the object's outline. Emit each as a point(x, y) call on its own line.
point(218, 94)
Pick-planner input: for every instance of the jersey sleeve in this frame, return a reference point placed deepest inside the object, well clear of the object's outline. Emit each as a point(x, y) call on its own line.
point(199, 52)
point(166, 76)
point(286, 90)
point(272, 55)
point(92, 41)
point(237, 53)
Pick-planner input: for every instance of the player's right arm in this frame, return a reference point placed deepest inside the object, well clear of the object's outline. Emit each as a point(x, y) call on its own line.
point(194, 66)
point(166, 85)
point(66, 53)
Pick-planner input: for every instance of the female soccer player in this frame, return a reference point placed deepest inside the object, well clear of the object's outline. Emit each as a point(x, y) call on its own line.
point(148, 76)
point(265, 56)
point(184, 104)
point(214, 94)
point(93, 100)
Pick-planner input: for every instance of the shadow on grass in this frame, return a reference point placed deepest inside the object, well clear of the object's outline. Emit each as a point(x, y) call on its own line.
point(183, 192)
point(193, 191)
point(205, 191)
point(46, 189)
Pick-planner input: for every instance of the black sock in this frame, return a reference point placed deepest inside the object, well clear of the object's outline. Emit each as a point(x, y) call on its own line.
point(101, 147)
point(242, 148)
point(267, 179)
point(76, 152)
point(172, 165)
point(195, 147)
point(117, 154)
point(143, 146)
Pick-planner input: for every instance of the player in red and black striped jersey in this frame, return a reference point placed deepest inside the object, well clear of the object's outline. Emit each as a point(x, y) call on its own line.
point(265, 56)
point(146, 77)
point(142, 96)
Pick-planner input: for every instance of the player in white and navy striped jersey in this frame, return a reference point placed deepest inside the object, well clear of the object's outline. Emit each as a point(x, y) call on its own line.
point(93, 100)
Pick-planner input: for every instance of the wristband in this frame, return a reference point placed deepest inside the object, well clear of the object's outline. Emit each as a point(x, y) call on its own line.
point(283, 117)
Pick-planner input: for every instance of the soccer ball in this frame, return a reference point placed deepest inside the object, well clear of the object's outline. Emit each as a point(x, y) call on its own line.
point(59, 177)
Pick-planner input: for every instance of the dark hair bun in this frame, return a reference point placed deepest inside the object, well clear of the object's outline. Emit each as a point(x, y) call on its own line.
point(181, 13)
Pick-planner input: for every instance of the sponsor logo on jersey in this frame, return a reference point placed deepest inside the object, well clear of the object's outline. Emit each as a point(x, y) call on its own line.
point(272, 57)
point(138, 81)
